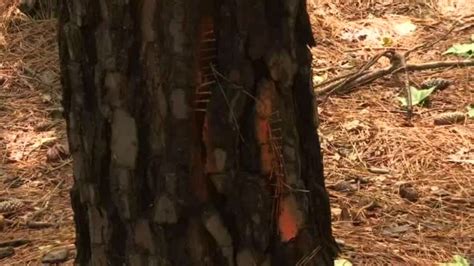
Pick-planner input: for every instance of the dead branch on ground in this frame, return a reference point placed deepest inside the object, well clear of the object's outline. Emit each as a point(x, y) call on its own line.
point(398, 63)
point(360, 78)
point(14, 243)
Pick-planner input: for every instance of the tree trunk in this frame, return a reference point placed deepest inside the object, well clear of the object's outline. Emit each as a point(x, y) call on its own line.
point(192, 129)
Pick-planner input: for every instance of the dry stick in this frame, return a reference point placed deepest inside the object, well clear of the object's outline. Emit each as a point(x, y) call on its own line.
point(404, 59)
point(14, 243)
point(363, 71)
point(360, 72)
point(48, 196)
point(30, 221)
point(348, 77)
point(439, 64)
point(409, 67)
point(333, 80)
point(403, 62)
point(431, 44)
point(368, 77)
point(58, 167)
point(39, 225)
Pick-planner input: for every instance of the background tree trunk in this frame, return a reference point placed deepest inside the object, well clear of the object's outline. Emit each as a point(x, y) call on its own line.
point(192, 129)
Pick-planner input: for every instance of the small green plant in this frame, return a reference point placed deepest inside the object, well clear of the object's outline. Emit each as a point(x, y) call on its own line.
point(464, 50)
point(418, 97)
point(457, 261)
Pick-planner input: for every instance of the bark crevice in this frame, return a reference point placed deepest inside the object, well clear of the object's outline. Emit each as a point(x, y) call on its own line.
point(193, 133)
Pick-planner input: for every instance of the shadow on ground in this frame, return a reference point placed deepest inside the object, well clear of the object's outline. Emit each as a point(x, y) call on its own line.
point(35, 171)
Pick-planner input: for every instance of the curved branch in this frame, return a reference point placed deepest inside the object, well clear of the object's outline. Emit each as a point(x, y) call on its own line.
point(364, 78)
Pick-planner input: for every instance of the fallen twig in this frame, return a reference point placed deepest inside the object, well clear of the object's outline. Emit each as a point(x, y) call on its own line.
point(431, 44)
point(333, 80)
point(369, 76)
point(438, 64)
point(38, 213)
point(39, 225)
point(398, 63)
point(403, 62)
point(59, 166)
point(359, 72)
point(14, 243)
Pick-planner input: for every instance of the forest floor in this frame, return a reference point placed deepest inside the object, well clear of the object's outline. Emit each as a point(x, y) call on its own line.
point(402, 192)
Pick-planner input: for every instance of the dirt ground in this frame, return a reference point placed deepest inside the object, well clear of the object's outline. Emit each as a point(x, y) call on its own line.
point(401, 192)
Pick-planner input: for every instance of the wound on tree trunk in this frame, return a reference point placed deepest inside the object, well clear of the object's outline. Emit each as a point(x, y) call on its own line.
point(192, 130)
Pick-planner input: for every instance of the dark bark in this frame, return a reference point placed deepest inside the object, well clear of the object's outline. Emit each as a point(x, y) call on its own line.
point(193, 135)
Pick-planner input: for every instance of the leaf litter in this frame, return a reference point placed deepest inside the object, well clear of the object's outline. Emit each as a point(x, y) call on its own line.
point(427, 163)
point(360, 132)
point(34, 191)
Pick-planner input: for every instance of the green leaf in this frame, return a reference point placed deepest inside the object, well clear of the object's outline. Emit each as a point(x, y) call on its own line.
point(457, 261)
point(470, 111)
point(417, 96)
point(387, 41)
point(342, 262)
point(466, 50)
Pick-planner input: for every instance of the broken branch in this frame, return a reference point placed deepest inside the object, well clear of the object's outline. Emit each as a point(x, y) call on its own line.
point(431, 44)
point(367, 77)
point(14, 243)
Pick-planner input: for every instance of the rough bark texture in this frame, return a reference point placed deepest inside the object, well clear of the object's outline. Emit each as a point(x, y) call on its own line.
point(191, 125)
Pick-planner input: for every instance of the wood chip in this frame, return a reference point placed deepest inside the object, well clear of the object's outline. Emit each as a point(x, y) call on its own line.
point(380, 171)
point(56, 256)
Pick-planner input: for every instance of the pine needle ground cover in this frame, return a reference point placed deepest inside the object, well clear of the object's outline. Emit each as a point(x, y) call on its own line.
point(402, 192)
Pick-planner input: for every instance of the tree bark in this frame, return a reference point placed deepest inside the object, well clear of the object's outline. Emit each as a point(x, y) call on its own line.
point(192, 129)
